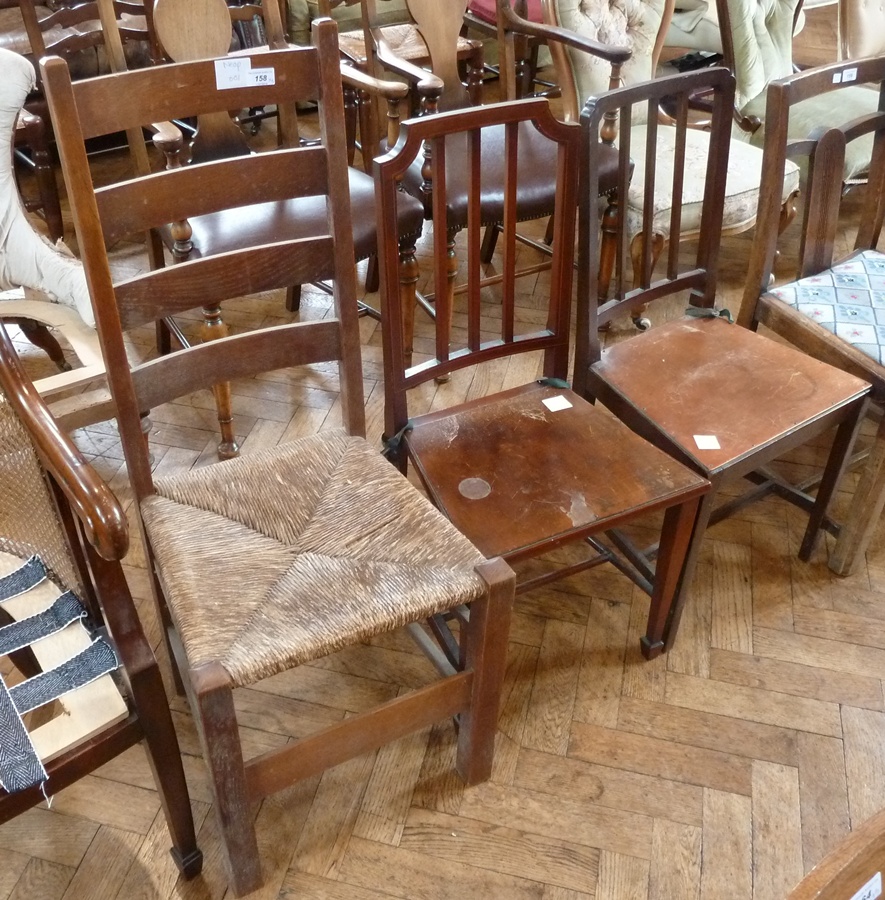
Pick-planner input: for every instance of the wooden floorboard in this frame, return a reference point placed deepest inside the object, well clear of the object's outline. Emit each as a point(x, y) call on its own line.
point(721, 771)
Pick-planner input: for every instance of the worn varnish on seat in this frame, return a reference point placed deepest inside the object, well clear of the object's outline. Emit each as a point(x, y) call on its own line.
point(275, 559)
point(525, 470)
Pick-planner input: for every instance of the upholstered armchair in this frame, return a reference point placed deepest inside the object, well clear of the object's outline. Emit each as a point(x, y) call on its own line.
point(579, 27)
point(757, 39)
point(861, 29)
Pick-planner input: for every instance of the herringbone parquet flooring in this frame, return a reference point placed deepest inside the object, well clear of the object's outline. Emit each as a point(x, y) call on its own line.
point(721, 771)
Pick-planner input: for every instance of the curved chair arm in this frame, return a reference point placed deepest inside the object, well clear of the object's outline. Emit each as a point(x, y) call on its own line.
point(615, 55)
point(426, 82)
point(102, 518)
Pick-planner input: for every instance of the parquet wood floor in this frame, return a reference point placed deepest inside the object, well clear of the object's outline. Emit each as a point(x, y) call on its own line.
point(721, 771)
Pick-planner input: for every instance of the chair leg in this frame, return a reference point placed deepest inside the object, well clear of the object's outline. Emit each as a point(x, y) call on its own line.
point(373, 275)
point(836, 463)
point(637, 253)
point(865, 510)
point(489, 242)
point(293, 297)
point(681, 537)
point(161, 746)
point(672, 616)
point(408, 285)
point(40, 336)
point(213, 329)
point(608, 246)
point(213, 707)
point(486, 656)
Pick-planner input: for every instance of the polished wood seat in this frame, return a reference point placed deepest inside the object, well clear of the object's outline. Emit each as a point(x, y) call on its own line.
point(529, 469)
point(719, 398)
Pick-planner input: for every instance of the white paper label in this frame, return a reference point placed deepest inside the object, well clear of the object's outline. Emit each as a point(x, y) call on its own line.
point(706, 441)
point(557, 403)
point(837, 77)
point(849, 75)
point(871, 890)
point(237, 72)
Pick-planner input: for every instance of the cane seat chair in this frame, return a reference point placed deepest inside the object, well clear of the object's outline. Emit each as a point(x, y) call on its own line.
point(520, 471)
point(582, 73)
point(721, 399)
point(832, 311)
point(274, 559)
point(68, 624)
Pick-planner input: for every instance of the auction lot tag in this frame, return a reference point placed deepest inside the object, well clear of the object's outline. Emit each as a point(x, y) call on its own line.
point(237, 72)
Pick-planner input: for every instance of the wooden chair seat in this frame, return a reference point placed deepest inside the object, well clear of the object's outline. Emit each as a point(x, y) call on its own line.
point(515, 480)
point(322, 576)
point(709, 363)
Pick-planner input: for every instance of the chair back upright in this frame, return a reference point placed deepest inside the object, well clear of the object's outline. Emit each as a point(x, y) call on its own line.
point(663, 175)
point(103, 215)
point(823, 150)
point(478, 334)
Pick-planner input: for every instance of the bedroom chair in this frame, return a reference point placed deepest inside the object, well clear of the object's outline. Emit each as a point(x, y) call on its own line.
point(720, 399)
point(832, 311)
point(62, 536)
point(525, 470)
point(278, 558)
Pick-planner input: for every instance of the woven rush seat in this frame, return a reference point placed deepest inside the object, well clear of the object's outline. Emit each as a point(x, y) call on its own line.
point(404, 40)
point(335, 544)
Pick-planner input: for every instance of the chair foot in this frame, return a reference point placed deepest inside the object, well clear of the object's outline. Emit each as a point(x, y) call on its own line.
point(651, 649)
point(191, 865)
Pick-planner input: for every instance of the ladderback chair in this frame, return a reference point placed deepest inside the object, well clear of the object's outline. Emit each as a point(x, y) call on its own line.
point(757, 42)
point(275, 559)
point(520, 471)
point(93, 687)
point(201, 29)
point(833, 311)
point(720, 399)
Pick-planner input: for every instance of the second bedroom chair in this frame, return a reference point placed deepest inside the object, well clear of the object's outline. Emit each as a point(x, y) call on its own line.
point(834, 310)
point(526, 469)
point(276, 559)
point(719, 398)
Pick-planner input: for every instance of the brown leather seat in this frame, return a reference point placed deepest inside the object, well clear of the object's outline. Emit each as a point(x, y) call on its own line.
point(233, 229)
point(536, 189)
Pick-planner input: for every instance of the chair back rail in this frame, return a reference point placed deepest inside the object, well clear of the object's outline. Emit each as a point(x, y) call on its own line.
point(450, 354)
point(84, 109)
